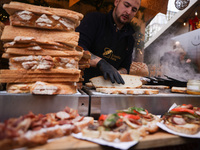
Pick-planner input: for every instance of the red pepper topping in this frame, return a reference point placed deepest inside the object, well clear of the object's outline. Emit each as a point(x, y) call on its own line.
point(136, 117)
point(180, 109)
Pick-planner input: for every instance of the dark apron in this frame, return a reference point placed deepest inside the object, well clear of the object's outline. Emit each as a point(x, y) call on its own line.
point(112, 48)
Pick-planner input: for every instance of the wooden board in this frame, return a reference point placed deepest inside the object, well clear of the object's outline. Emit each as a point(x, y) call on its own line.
point(158, 139)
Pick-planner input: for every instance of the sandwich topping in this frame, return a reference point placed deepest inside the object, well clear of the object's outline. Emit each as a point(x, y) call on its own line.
point(182, 115)
point(42, 62)
point(33, 45)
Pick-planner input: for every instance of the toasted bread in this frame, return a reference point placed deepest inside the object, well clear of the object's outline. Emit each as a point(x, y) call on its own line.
point(18, 34)
point(186, 129)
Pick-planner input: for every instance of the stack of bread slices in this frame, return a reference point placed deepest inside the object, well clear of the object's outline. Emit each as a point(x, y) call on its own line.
point(42, 47)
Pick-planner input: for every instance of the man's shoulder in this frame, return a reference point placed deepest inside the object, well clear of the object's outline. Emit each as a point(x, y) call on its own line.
point(96, 15)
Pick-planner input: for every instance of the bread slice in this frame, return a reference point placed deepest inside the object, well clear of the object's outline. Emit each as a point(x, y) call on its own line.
point(110, 135)
point(155, 87)
point(179, 89)
point(25, 52)
point(186, 128)
point(91, 133)
point(18, 34)
point(130, 135)
point(127, 91)
point(131, 81)
point(52, 71)
point(19, 88)
point(52, 76)
point(42, 88)
point(83, 123)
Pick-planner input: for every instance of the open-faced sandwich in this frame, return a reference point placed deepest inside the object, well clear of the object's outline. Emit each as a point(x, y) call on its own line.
point(183, 118)
point(32, 130)
point(124, 125)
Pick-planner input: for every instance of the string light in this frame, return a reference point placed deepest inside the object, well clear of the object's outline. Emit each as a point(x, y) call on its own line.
point(196, 13)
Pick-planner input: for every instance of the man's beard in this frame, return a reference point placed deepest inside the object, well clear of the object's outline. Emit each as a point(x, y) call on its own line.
point(119, 20)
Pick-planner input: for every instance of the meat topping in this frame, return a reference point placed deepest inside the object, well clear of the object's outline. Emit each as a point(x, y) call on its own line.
point(178, 120)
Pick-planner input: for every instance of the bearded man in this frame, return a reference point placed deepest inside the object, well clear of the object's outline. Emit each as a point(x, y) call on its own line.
point(109, 39)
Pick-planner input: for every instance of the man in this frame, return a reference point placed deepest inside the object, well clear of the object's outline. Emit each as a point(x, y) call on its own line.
point(109, 38)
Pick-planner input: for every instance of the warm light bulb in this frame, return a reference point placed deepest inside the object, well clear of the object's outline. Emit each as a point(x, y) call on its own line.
point(196, 13)
point(184, 24)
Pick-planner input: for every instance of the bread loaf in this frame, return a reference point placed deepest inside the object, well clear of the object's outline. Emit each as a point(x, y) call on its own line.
point(139, 68)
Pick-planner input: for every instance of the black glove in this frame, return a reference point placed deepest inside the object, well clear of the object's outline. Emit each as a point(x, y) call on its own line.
point(109, 71)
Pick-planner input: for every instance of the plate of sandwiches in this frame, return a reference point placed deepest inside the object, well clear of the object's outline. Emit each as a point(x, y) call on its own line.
point(182, 120)
point(122, 129)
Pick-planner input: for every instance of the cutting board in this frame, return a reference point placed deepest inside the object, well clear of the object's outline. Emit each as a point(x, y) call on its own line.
point(158, 139)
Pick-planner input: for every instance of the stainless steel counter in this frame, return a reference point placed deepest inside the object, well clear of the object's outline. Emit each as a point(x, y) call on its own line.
point(14, 105)
point(157, 104)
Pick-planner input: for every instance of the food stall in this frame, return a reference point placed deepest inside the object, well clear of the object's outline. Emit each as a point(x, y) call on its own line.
point(91, 103)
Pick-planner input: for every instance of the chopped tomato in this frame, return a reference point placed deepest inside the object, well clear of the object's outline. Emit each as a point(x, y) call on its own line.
point(119, 122)
point(102, 117)
point(180, 109)
point(136, 117)
point(147, 112)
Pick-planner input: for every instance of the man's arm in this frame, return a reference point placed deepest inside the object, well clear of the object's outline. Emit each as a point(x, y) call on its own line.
point(94, 60)
point(122, 71)
point(108, 70)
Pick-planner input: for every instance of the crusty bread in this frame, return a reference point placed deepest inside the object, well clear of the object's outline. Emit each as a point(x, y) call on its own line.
point(186, 128)
point(11, 33)
point(52, 76)
point(130, 135)
point(52, 71)
point(75, 78)
point(110, 135)
point(13, 7)
point(43, 88)
point(25, 52)
point(91, 133)
point(27, 15)
point(127, 91)
point(131, 81)
point(155, 87)
point(83, 123)
point(179, 89)
point(89, 84)
point(151, 126)
point(139, 68)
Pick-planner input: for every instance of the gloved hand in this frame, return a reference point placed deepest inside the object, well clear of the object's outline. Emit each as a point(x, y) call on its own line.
point(109, 71)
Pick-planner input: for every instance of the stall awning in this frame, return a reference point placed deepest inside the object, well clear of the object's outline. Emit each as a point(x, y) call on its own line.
point(155, 5)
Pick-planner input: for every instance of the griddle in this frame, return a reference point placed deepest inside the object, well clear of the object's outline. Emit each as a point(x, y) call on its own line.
point(166, 80)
